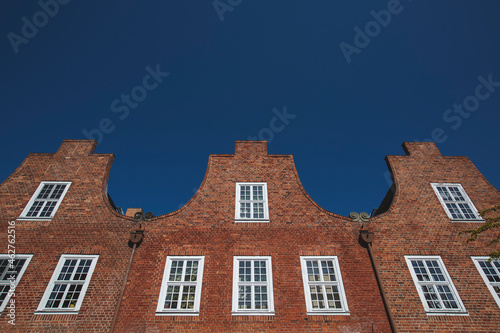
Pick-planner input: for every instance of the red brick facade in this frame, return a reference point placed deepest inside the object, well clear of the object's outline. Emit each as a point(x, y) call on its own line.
point(417, 224)
point(86, 223)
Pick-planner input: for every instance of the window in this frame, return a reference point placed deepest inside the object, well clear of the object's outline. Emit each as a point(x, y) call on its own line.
point(434, 285)
point(68, 284)
point(490, 271)
point(251, 202)
point(11, 270)
point(252, 286)
point(323, 286)
point(455, 202)
point(45, 201)
point(181, 288)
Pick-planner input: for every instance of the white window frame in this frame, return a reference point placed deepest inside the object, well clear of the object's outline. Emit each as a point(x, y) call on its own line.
point(344, 310)
point(24, 214)
point(268, 283)
point(489, 283)
point(160, 309)
point(447, 282)
point(42, 307)
point(6, 273)
point(237, 216)
point(467, 200)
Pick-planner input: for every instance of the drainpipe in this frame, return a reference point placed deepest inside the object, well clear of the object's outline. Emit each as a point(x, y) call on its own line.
point(367, 237)
point(134, 241)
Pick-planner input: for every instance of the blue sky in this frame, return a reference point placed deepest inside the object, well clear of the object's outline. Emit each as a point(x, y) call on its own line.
point(356, 79)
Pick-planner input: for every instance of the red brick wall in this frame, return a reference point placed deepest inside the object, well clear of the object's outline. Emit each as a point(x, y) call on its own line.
point(84, 224)
point(417, 224)
point(205, 226)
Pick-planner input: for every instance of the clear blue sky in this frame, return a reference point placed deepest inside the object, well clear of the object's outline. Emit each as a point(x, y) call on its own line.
point(355, 98)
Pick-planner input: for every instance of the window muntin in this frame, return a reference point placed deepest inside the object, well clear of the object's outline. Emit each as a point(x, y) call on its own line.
point(251, 202)
point(490, 272)
point(47, 198)
point(323, 286)
point(252, 286)
point(456, 203)
point(68, 284)
point(11, 270)
point(434, 285)
point(181, 287)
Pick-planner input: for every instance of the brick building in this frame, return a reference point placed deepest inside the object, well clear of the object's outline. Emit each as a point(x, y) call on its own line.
point(250, 252)
point(433, 279)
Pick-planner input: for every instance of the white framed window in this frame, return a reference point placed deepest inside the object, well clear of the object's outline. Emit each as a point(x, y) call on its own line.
point(434, 285)
point(44, 203)
point(68, 285)
point(181, 287)
point(12, 268)
point(323, 286)
point(490, 272)
point(251, 202)
point(252, 286)
point(455, 202)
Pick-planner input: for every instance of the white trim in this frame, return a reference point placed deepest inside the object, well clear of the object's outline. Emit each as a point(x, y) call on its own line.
point(26, 209)
point(237, 217)
point(340, 286)
point(27, 257)
point(476, 260)
point(42, 306)
point(268, 283)
point(418, 285)
point(466, 197)
point(160, 309)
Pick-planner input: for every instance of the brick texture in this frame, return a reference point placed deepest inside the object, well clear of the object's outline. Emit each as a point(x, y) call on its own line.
point(86, 223)
point(416, 224)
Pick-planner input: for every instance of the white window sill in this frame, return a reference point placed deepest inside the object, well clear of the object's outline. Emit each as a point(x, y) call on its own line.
point(253, 313)
point(447, 313)
point(52, 312)
point(180, 313)
point(21, 218)
point(471, 220)
point(251, 220)
point(328, 313)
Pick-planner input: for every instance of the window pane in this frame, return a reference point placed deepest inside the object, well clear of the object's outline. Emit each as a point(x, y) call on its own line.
point(431, 297)
point(35, 208)
point(489, 271)
point(455, 213)
point(245, 297)
point(44, 193)
point(48, 208)
point(258, 193)
point(444, 193)
point(245, 193)
point(72, 296)
point(67, 270)
point(435, 271)
point(56, 296)
point(58, 191)
point(455, 192)
point(466, 211)
point(420, 270)
point(447, 297)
